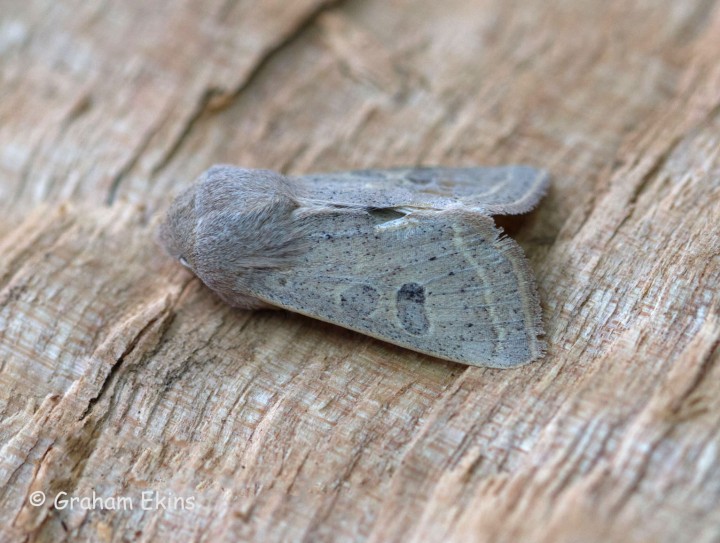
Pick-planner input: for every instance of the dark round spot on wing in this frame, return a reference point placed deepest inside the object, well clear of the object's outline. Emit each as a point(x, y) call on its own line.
point(359, 299)
point(411, 309)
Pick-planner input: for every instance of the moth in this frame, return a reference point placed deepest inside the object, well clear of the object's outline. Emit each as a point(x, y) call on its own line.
point(410, 256)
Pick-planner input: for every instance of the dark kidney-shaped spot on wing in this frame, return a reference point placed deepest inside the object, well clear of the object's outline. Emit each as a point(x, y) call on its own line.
point(421, 177)
point(411, 308)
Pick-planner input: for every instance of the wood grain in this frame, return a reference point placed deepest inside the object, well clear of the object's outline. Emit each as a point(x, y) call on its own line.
point(121, 374)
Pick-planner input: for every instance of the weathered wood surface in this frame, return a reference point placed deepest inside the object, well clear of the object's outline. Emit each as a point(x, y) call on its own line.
point(120, 373)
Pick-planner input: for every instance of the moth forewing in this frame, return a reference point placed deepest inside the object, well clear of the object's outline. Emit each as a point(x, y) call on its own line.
point(438, 282)
point(489, 190)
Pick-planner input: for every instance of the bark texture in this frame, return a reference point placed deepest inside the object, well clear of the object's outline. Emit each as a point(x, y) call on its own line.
point(121, 374)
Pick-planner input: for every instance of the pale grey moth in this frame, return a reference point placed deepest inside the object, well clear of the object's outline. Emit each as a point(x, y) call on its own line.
point(410, 256)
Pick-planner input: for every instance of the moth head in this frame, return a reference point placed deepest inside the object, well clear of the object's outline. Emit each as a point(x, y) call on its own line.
point(177, 231)
point(231, 222)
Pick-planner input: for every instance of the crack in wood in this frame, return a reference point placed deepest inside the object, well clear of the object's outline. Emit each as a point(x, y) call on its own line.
point(208, 101)
point(163, 317)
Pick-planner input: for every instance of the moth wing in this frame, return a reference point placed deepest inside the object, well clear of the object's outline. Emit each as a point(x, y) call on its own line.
point(493, 190)
point(440, 282)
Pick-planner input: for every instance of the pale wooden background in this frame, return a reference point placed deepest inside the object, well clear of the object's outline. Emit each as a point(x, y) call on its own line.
point(121, 373)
